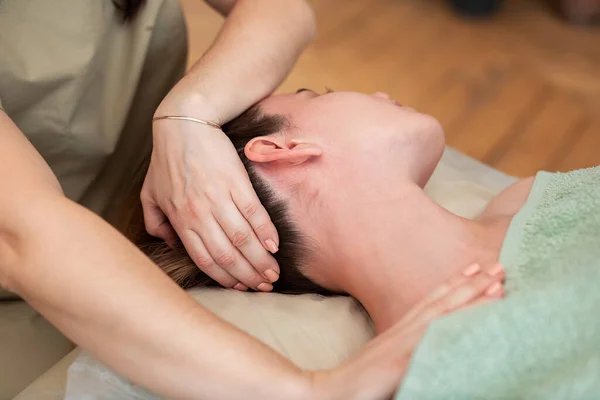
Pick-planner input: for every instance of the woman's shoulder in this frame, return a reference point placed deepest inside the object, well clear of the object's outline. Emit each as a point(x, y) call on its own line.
point(510, 200)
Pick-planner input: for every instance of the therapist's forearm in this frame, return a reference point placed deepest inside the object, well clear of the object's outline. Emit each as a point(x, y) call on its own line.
point(255, 50)
point(109, 298)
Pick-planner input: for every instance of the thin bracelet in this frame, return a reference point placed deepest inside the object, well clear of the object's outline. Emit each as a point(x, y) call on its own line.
point(200, 121)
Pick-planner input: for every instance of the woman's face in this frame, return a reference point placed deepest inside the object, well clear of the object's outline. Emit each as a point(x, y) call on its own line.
point(369, 136)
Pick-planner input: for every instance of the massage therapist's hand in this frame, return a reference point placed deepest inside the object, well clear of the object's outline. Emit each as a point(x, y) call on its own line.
point(377, 371)
point(197, 188)
point(196, 180)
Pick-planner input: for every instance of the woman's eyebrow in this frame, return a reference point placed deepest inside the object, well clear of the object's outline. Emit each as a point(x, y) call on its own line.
point(303, 90)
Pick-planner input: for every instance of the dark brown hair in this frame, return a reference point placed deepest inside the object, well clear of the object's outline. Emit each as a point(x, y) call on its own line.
point(294, 248)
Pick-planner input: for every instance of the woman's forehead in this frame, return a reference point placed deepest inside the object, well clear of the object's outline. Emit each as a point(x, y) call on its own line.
point(293, 102)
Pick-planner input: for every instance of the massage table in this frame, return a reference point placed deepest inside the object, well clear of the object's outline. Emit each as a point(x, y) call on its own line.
point(312, 331)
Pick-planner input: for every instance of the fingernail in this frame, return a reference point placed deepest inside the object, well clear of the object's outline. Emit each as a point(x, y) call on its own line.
point(471, 270)
point(271, 246)
point(265, 287)
point(494, 289)
point(496, 270)
point(271, 275)
point(241, 287)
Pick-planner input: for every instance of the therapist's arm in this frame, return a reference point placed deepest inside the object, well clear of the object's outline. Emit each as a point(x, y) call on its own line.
point(106, 296)
point(253, 53)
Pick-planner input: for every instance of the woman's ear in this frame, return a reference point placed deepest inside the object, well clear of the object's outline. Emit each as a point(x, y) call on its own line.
point(267, 149)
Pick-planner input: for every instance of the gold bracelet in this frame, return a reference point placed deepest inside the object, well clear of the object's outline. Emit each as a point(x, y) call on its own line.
point(200, 121)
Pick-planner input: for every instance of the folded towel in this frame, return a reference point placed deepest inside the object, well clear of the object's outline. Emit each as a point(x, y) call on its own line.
point(543, 340)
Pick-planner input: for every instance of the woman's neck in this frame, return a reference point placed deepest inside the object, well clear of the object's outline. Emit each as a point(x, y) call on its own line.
point(418, 245)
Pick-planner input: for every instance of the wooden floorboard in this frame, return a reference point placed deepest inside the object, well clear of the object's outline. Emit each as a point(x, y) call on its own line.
point(520, 91)
point(545, 136)
point(499, 117)
point(584, 153)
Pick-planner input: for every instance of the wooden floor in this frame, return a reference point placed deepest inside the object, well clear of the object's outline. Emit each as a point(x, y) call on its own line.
point(520, 92)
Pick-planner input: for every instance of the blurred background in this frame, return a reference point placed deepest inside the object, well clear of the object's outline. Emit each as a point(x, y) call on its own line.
point(518, 90)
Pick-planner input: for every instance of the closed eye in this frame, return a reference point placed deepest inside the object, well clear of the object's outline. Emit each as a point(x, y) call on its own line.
point(327, 91)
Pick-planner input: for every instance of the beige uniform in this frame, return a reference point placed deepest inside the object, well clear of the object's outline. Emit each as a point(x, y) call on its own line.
point(82, 86)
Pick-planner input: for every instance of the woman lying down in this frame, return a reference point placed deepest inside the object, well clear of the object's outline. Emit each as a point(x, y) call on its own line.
point(316, 159)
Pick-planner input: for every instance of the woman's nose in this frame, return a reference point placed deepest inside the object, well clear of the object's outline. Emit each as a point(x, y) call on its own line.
point(381, 95)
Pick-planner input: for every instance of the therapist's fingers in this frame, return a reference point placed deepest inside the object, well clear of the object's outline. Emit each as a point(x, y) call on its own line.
point(253, 211)
point(203, 260)
point(471, 288)
point(466, 282)
point(226, 256)
point(243, 237)
point(474, 287)
point(156, 222)
point(473, 283)
point(488, 299)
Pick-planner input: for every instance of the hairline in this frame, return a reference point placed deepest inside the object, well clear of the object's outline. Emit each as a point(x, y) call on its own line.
point(303, 247)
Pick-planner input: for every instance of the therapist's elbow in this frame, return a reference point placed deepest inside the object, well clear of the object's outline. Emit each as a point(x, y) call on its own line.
point(297, 15)
point(21, 221)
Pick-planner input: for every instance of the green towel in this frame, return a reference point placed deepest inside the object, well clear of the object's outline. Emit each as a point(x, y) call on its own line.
point(543, 340)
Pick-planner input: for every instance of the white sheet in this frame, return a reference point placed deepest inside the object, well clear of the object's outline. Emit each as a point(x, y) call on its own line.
point(312, 331)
